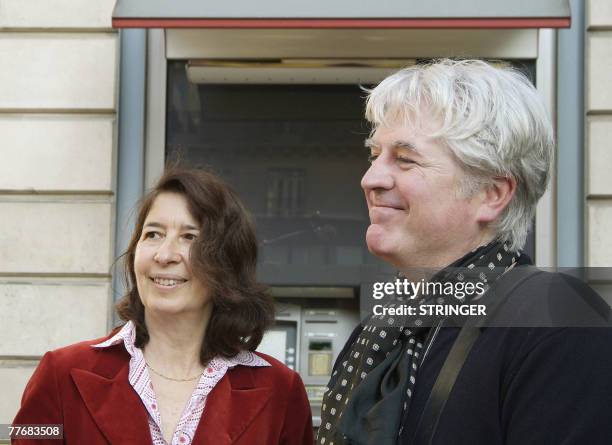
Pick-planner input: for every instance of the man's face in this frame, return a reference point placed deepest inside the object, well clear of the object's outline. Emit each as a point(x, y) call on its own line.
point(418, 215)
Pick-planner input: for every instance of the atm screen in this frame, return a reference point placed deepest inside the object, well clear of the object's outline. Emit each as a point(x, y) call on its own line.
point(274, 343)
point(281, 342)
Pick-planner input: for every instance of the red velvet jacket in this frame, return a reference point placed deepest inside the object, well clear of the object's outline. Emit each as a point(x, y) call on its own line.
point(87, 390)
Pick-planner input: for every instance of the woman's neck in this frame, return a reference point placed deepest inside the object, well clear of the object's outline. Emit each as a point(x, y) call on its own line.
point(175, 342)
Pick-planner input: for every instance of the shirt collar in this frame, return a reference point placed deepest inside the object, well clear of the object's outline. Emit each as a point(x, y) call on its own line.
point(127, 336)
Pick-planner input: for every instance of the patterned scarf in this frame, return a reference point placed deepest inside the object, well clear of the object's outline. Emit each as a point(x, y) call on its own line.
point(372, 383)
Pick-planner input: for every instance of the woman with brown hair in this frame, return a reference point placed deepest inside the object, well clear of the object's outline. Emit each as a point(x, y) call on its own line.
point(181, 370)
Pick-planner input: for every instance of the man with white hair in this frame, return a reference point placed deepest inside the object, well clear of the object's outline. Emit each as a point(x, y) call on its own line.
point(460, 154)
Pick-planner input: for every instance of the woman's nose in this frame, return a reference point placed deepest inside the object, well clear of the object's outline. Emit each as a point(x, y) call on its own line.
point(167, 252)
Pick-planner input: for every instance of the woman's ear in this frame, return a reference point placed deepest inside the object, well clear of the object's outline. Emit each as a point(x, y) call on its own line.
point(495, 197)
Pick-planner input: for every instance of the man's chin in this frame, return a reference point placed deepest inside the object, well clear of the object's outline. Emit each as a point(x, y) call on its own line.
point(379, 243)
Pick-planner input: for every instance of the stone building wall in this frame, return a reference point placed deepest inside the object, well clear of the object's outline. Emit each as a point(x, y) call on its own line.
point(58, 109)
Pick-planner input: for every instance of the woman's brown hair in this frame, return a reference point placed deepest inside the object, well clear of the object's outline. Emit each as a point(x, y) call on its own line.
point(223, 257)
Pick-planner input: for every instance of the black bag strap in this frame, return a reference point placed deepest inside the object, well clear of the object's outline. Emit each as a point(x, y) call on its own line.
point(455, 360)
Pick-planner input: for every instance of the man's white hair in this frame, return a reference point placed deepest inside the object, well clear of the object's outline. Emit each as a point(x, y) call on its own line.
point(492, 120)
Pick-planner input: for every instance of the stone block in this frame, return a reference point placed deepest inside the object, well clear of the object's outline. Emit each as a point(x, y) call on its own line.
point(58, 71)
point(40, 316)
point(599, 13)
point(56, 14)
point(53, 236)
point(599, 235)
point(56, 152)
point(599, 71)
point(13, 379)
point(599, 155)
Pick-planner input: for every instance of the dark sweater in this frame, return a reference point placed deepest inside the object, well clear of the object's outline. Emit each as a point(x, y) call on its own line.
point(522, 386)
point(557, 385)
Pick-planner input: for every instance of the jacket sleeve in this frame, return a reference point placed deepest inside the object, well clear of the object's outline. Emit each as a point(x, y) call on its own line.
point(297, 428)
point(562, 392)
point(40, 403)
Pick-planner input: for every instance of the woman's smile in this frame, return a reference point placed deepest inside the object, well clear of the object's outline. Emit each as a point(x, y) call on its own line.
point(168, 283)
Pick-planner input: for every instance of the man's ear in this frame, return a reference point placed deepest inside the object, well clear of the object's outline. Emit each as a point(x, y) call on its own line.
point(495, 197)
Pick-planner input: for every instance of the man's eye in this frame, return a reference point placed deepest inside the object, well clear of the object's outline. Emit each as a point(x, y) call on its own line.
point(402, 160)
point(372, 158)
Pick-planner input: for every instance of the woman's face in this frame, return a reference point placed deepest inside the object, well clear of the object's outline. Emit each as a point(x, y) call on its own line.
point(164, 277)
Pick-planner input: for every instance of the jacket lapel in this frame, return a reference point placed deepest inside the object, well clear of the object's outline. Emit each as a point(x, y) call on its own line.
point(230, 408)
point(114, 406)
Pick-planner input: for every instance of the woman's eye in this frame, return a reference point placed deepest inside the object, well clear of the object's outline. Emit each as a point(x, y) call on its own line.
point(372, 158)
point(190, 236)
point(152, 235)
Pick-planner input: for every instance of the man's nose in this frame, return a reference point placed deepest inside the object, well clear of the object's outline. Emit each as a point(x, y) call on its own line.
point(378, 176)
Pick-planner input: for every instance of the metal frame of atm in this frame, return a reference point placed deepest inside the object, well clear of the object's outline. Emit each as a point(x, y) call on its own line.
point(190, 44)
point(242, 43)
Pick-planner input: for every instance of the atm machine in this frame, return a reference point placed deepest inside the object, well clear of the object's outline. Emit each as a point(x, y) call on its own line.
point(278, 114)
point(308, 339)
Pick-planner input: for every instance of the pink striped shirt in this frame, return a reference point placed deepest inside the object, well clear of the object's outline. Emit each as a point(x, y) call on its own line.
point(141, 382)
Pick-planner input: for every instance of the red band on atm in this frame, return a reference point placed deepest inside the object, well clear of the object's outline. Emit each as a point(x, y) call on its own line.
point(473, 23)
